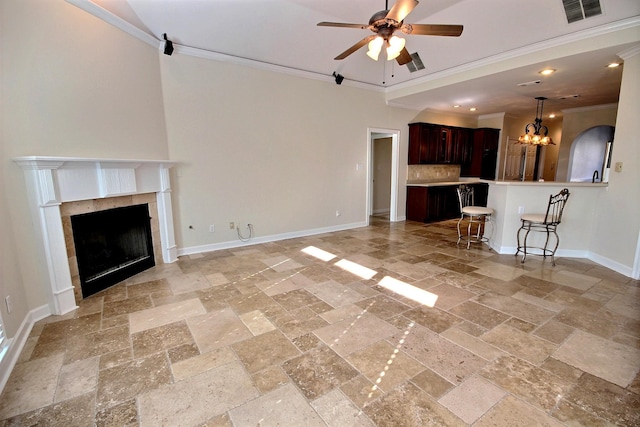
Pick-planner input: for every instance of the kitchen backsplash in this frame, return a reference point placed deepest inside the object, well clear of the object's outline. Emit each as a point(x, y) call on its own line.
point(416, 173)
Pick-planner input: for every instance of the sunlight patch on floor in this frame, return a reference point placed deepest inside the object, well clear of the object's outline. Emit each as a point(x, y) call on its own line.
point(357, 269)
point(318, 253)
point(409, 291)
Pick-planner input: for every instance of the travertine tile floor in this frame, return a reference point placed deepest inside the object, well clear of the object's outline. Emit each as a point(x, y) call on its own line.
point(269, 335)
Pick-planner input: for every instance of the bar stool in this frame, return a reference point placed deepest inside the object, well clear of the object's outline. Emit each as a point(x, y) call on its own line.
point(478, 215)
point(547, 222)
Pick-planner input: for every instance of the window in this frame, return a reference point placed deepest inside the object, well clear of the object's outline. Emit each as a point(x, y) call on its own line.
point(4, 342)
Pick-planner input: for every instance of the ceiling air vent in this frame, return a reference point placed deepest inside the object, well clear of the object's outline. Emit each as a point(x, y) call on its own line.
point(569, 96)
point(416, 63)
point(531, 83)
point(577, 10)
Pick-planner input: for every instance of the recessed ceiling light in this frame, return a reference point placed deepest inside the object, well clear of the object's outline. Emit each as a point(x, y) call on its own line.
point(547, 71)
point(456, 106)
point(614, 65)
point(472, 109)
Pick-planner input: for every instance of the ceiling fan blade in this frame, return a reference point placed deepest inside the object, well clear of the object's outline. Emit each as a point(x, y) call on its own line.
point(342, 25)
point(401, 9)
point(404, 57)
point(432, 30)
point(355, 47)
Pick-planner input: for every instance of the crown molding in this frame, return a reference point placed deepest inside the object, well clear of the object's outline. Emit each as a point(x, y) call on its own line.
point(590, 108)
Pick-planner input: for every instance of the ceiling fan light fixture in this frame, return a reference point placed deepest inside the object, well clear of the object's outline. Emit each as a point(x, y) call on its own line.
point(396, 44)
point(375, 46)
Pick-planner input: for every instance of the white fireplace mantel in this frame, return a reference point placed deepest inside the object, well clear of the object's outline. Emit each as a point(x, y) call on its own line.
point(52, 181)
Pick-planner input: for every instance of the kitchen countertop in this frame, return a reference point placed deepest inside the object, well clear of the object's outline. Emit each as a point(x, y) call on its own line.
point(551, 183)
point(425, 183)
point(503, 182)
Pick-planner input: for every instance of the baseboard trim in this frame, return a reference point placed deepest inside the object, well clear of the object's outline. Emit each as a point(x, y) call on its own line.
point(570, 253)
point(192, 250)
point(18, 341)
point(612, 265)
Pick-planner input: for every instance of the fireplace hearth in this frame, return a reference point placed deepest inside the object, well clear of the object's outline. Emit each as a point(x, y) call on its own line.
point(111, 246)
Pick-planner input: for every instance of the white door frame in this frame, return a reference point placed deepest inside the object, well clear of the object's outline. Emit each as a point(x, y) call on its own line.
point(395, 158)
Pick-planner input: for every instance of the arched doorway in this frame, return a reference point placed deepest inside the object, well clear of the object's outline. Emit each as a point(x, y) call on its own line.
point(590, 154)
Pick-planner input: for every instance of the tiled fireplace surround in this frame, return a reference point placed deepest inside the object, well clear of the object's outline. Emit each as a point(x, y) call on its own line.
point(61, 187)
point(68, 209)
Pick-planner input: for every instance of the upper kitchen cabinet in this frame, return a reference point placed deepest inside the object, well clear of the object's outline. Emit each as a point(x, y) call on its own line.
point(437, 144)
point(484, 154)
point(421, 151)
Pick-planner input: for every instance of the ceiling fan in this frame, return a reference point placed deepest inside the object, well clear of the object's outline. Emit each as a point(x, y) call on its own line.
point(384, 24)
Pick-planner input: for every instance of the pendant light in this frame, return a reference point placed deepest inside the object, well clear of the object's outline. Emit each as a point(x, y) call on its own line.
point(536, 138)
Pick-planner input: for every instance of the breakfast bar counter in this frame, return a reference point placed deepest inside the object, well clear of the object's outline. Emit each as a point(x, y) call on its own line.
point(510, 199)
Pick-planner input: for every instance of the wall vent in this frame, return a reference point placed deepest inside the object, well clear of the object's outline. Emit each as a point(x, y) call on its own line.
point(416, 63)
point(577, 10)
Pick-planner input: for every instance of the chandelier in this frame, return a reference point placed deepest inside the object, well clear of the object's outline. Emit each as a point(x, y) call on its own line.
point(536, 138)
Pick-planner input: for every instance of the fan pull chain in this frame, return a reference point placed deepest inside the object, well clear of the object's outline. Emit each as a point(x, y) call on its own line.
point(384, 71)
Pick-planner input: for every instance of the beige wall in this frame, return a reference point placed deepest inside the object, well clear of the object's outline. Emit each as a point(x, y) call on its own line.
point(445, 119)
point(72, 85)
point(382, 157)
point(277, 151)
point(577, 121)
point(617, 234)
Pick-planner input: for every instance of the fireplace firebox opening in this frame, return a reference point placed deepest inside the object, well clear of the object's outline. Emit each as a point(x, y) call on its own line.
point(112, 245)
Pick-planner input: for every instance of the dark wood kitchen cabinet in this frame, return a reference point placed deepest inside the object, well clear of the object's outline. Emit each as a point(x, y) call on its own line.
point(422, 148)
point(417, 201)
point(484, 154)
point(436, 144)
point(429, 204)
point(473, 149)
point(439, 203)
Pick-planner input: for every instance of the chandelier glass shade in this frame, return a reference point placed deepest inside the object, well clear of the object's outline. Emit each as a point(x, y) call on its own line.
point(535, 133)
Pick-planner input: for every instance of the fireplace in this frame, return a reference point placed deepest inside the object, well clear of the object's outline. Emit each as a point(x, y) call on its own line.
point(59, 188)
point(112, 245)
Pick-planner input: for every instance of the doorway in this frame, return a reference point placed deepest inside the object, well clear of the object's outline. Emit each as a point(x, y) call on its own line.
point(382, 172)
point(590, 155)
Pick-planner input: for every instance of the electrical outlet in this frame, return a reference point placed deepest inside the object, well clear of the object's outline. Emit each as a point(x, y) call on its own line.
point(618, 167)
point(232, 225)
point(212, 228)
point(7, 301)
point(338, 213)
point(520, 209)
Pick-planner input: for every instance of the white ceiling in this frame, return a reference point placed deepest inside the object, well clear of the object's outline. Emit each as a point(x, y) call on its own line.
point(283, 33)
